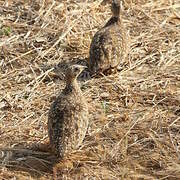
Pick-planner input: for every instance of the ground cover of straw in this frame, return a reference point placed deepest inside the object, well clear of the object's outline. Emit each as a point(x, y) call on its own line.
point(135, 114)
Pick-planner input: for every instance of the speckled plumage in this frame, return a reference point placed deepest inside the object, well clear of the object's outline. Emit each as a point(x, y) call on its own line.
point(108, 46)
point(68, 116)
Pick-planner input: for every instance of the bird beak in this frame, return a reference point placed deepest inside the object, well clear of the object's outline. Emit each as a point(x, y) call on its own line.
point(82, 67)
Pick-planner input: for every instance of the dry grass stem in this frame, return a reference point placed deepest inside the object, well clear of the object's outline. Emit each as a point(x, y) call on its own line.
point(134, 128)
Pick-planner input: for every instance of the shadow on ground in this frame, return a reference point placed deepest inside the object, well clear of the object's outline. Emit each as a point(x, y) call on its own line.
point(34, 162)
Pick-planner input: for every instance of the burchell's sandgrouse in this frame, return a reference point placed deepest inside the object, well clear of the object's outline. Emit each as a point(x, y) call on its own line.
point(108, 46)
point(68, 116)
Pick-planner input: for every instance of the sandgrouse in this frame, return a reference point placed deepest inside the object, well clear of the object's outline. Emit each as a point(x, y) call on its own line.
point(68, 115)
point(108, 46)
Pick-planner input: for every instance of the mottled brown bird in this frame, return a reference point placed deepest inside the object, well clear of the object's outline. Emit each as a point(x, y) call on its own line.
point(108, 46)
point(68, 116)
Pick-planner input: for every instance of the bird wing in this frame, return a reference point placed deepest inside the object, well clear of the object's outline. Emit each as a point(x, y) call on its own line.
point(56, 123)
point(116, 50)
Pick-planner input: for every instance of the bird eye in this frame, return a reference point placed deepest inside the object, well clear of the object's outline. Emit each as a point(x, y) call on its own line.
point(76, 69)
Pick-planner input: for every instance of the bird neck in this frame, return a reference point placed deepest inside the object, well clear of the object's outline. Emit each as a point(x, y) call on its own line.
point(71, 86)
point(113, 20)
point(116, 11)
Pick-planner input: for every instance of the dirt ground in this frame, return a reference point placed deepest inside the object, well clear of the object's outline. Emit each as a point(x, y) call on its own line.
point(135, 114)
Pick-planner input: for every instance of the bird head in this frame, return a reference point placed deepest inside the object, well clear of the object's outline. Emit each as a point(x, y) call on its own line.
point(74, 71)
point(115, 7)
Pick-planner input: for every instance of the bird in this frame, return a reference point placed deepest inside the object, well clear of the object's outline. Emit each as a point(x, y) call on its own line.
point(108, 46)
point(68, 116)
point(62, 66)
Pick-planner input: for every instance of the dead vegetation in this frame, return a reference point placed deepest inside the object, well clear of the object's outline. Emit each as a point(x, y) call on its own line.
point(134, 131)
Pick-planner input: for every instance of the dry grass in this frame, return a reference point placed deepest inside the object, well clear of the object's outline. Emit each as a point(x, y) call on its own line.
point(135, 126)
